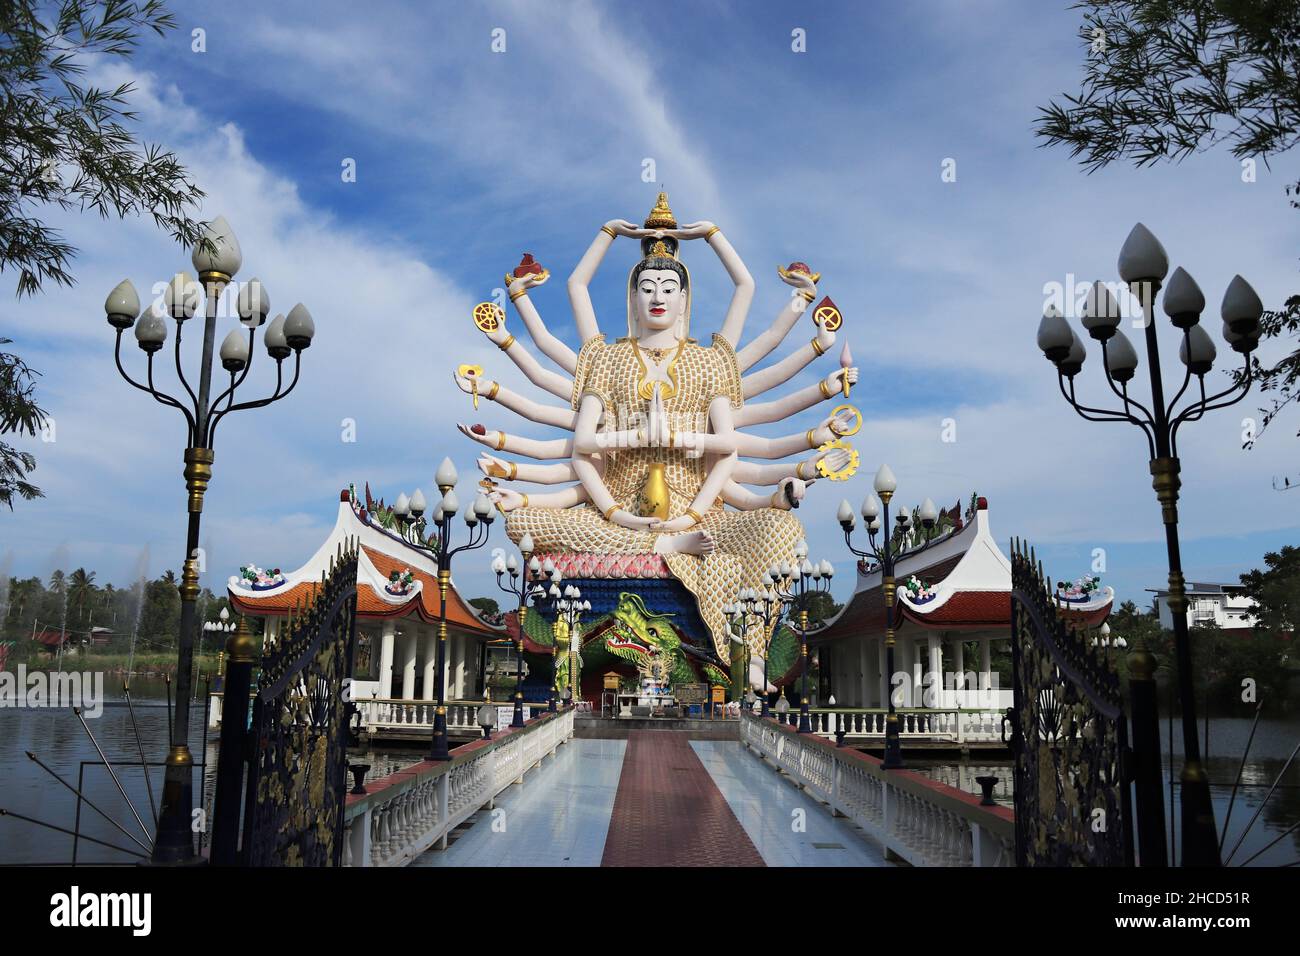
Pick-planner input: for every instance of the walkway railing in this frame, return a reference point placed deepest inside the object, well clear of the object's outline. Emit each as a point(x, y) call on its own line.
point(379, 713)
point(959, 725)
point(404, 814)
point(915, 819)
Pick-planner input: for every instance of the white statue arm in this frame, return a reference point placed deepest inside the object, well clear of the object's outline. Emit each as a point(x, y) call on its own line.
point(788, 367)
point(740, 497)
point(509, 499)
point(553, 450)
point(504, 470)
point(734, 321)
point(529, 409)
point(551, 347)
point(584, 315)
point(803, 296)
point(589, 414)
point(544, 378)
point(719, 470)
point(828, 388)
point(753, 446)
point(752, 473)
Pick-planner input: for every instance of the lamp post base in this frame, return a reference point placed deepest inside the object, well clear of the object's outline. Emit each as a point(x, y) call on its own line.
point(893, 752)
point(518, 719)
point(174, 843)
point(805, 726)
point(438, 750)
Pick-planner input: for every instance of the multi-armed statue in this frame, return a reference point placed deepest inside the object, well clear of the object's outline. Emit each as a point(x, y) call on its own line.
point(657, 423)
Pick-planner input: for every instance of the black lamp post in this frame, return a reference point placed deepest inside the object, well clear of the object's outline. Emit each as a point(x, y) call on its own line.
point(530, 588)
point(216, 259)
point(886, 552)
point(794, 587)
point(478, 519)
point(763, 606)
point(1143, 264)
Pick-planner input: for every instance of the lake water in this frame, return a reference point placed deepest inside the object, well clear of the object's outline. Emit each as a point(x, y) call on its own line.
point(1274, 742)
point(57, 738)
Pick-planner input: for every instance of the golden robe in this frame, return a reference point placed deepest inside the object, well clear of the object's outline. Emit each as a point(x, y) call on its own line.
point(747, 542)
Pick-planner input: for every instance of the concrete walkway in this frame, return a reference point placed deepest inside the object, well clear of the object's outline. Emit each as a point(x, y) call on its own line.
point(657, 799)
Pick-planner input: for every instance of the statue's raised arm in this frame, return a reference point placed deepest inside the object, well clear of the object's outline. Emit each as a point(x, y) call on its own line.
point(529, 274)
point(584, 315)
point(733, 323)
point(804, 283)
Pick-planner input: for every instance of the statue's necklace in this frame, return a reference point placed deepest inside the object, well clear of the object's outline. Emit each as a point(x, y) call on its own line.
point(646, 383)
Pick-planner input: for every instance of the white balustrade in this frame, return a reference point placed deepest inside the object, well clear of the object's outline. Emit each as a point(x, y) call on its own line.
point(379, 713)
point(410, 811)
point(958, 725)
point(917, 820)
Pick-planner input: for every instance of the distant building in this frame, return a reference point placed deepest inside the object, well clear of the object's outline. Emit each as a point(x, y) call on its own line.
point(1209, 605)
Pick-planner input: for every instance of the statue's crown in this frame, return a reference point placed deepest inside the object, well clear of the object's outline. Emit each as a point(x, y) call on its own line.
point(661, 216)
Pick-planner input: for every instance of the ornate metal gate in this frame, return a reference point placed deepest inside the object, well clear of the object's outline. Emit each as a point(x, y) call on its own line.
point(1069, 735)
point(295, 747)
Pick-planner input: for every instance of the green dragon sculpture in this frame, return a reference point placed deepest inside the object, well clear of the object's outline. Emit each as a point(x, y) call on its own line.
point(651, 643)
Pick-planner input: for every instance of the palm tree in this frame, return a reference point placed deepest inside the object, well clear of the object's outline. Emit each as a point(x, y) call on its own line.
point(110, 602)
point(81, 590)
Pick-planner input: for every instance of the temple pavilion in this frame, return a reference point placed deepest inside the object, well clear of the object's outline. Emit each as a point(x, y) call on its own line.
point(397, 618)
point(954, 618)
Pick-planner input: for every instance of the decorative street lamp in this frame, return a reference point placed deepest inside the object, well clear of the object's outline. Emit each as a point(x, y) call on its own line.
point(553, 594)
point(1142, 265)
point(569, 608)
point(765, 607)
point(795, 586)
point(222, 626)
point(478, 519)
point(885, 553)
point(530, 588)
point(216, 258)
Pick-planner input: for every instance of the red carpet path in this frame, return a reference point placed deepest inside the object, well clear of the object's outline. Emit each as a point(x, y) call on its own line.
point(669, 812)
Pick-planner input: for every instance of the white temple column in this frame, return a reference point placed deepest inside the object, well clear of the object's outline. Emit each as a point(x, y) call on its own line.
point(458, 667)
point(883, 683)
point(986, 669)
point(917, 667)
point(386, 658)
point(934, 678)
point(430, 665)
point(959, 664)
point(408, 667)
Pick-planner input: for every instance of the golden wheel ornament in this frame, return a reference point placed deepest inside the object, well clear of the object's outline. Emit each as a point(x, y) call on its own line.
point(838, 474)
point(857, 426)
point(828, 316)
point(488, 316)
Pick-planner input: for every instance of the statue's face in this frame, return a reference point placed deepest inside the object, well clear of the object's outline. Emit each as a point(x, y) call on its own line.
point(660, 300)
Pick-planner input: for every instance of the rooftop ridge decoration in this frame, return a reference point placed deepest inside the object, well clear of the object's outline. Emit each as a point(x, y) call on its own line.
point(1074, 651)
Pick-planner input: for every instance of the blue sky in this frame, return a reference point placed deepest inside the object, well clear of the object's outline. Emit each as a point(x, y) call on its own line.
point(465, 158)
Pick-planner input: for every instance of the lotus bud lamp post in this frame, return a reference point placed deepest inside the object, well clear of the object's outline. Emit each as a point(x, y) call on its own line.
point(1143, 265)
point(569, 608)
point(763, 608)
point(478, 519)
point(216, 259)
point(884, 552)
point(794, 586)
point(530, 589)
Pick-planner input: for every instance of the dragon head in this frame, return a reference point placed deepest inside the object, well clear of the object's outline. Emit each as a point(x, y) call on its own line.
point(635, 634)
